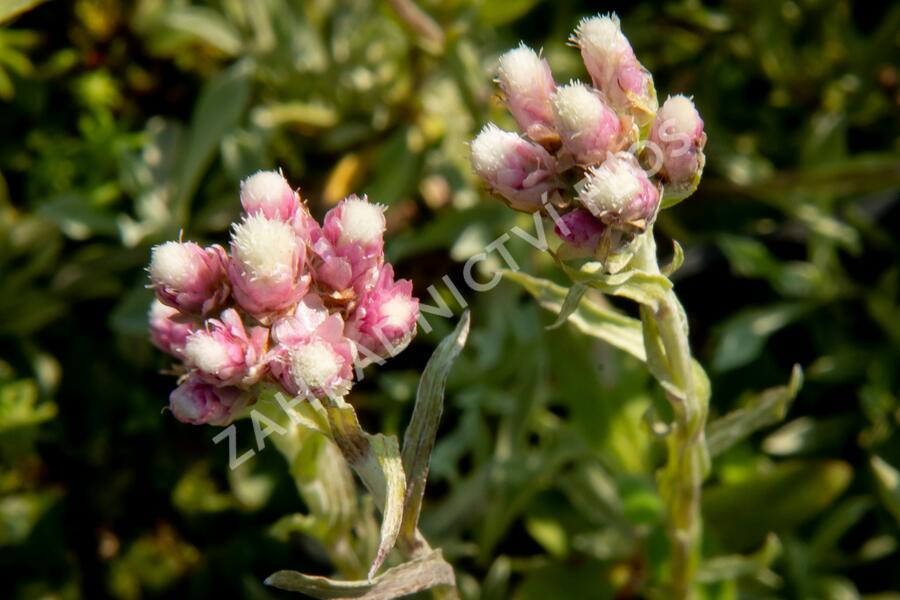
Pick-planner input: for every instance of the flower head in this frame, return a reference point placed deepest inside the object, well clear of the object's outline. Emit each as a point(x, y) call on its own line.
point(188, 277)
point(312, 357)
point(267, 266)
point(527, 82)
point(200, 403)
point(169, 329)
point(225, 353)
point(349, 249)
point(588, 128)
point(520, 171)
point(384, 322)
point(268, 193)
point(618, 192)
point(678, 132)
point(613, 67)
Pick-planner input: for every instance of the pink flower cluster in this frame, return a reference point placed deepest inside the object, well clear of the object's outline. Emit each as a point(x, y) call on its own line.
point(611, 139)
point(292, 302)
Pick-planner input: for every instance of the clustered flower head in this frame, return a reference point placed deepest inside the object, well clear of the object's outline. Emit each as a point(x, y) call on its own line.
point(600, 158)
point(292, 303)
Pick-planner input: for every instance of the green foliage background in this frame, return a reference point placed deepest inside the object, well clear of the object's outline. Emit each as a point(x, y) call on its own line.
point(124, 123)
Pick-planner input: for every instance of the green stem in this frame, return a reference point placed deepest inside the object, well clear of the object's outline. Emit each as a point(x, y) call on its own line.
point(681, 478)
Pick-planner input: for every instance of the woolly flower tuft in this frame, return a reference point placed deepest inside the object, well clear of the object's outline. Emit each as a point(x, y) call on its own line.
point(273, 310)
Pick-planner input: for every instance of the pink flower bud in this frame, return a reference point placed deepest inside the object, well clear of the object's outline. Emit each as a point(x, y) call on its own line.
point(199, 403)
point(580, 229)
point(188, 277)
point(312, 358)
point(267, 266)
point(618, 192)
point(350, 247)
point(678, 133)
point(269, 194)
point(519, 170)
point(527, 82)
point(588, 128)
point(169, 329)
point(224, 353)
point(384, 322)
point(613, 67)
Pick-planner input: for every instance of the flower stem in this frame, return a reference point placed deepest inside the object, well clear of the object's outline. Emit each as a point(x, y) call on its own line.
point(681, 479)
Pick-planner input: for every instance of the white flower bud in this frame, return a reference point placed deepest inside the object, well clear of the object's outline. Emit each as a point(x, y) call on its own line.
point(527, 82)
point(618, 192)
point(268, 193)
point(588, 128)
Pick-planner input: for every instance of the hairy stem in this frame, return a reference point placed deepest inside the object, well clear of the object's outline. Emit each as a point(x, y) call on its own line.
point(680, 480)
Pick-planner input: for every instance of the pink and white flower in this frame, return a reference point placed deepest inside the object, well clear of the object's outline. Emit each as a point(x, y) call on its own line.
point(269, 194)
point(267, 267)
point(198, 402)
point(527, 82)
point(188, 277)
point(225, 353)
point(618, 192)
point(349, 249)
point(588, 128)
point(169, 329)
point(678, 132)
point(312, 357)
point(384, 322)
point(520, 171)
point(614, 68)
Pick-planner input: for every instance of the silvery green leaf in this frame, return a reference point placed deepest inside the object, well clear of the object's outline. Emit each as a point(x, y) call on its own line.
point(376, 459)
point(573, 299)
point(589, 317)
point(418, 442)
point(417, 575)
point(766, 408)
point(677, 259)
point(645, 288)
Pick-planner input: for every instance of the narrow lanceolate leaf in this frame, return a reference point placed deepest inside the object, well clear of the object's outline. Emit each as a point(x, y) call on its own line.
point(677, 259)
point(767, 408)
point(888, 480)
point(418, 442)
point(376, 460)
point(417, 575)
point(644, 288)
point(573, 299)
point(588, 317)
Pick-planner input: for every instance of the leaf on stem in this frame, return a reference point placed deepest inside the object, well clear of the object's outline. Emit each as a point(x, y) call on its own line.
point(376, 459)
point(764, 409)
point(417, 575)
point(677, 259)
point(418, 442)
point(590, 318)
point(729, 568)
point(644, 288)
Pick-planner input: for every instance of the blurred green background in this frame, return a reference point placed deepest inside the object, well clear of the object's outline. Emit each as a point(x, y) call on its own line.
point(123, 123)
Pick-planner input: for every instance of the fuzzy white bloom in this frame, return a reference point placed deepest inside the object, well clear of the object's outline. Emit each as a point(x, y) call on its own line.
point(601, 35)
point(315, 365)
point(266, 248)
point(609, 188)
point(588, 128)
point(613, 67)
point(268, 193)
point(618, 192)
point(519, 170)
point(399, 310)
point(206, 352)
point(361, 221)
point(528, 83)
point(680, 111)
point(173, 264)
